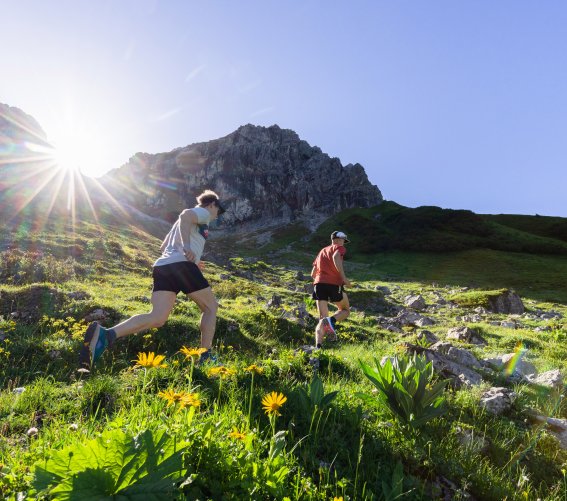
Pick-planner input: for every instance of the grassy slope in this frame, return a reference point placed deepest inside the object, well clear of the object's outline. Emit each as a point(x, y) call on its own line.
point(112, 270)
point(429, 244)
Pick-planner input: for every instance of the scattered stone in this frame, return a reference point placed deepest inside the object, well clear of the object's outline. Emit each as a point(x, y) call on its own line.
point(19, 390)
point(393, 328)
point(552, 379)
point(98, 314)
point(551, 314)
point(467, 335)
point(557, 427)
point(444, 489)
point(383, 289)
point(406, 317)
point(542, 329)
point(224, 276)
point(79, 295)
point(470, 319)
point(274, 302)
point(232, 326)
point(73, 426)
point(508, 324)
point(450, 362)
point(424, 322)
point(306, 348)
point(507, 302)
point(314, 362)
point(471, 440)
point(427, 336)
point(54, 354)
point(497, 400)
point(299, 276)
point(32, 432)
point(458, 355)
point(416, 302)
point(503, 362)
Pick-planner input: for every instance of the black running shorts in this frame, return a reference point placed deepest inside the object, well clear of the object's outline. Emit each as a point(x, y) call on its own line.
point(328, 292)
point(175, 277)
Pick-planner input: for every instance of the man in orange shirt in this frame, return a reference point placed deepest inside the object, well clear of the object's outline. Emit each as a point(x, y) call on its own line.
point(329, 279)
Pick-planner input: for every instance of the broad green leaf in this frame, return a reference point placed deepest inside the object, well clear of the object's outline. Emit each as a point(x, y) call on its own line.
point(316, 391)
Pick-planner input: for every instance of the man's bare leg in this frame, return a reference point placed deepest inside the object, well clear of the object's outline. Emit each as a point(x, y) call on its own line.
point(162, 304)
point(208, 305)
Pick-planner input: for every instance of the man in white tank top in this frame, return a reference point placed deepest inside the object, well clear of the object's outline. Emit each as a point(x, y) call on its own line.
point(178, 269)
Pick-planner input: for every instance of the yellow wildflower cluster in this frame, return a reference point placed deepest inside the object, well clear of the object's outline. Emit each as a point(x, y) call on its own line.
point(182, 398)
point(237, 435)
point(150, 359)
point(64, 328)
point(223, 372)
point(254, 369)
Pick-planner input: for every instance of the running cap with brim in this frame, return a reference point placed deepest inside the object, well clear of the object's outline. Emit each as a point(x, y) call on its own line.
point(339, 234)
point(222, 210)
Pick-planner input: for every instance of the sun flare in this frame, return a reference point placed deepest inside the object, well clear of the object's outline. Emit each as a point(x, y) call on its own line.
point(76, 152)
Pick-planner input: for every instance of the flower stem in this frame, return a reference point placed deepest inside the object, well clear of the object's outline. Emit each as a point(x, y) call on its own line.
point(250, 401)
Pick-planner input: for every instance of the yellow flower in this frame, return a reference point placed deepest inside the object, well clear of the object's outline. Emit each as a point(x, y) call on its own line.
point(189, 400)
point(272, 403)
point(150, 360)
point(192, 352)
point(255, 369)
point(221, 371)
point(237, 435)
point(340, 498)
point(171, 396)
point(182, 398)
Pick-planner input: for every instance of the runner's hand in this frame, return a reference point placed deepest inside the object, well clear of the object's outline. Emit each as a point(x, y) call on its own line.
point(201, 265)
point(189, 255)
point(347, 282)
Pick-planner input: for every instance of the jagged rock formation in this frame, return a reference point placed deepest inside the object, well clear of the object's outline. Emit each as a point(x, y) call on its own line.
point(266, 176)
point(18, 130)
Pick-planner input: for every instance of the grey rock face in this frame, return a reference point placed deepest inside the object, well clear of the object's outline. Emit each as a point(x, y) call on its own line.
point(263, 174)
point(497, 400)
point(415, 302)
point(466, 334)
point(450, 362)
point(19, 128)
point(508, 302)
point(552, 378)
point(557, 427)
point(427, 336)
point(407, 317)
point(521, 366)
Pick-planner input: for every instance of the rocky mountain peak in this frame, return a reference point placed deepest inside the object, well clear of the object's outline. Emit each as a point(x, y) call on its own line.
point(265, 175)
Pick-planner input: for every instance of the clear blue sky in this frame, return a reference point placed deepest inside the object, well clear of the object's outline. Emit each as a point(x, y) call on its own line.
point(461, 104)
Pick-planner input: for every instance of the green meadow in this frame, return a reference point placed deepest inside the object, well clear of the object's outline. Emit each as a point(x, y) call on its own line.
point(275, 421)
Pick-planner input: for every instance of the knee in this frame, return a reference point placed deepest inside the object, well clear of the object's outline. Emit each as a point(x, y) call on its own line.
point(210, 307)
point(157, 321)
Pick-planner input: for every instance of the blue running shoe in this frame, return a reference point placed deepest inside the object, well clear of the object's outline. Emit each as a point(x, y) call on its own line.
point(96, 340)
point(208, 358)
point(329, 328)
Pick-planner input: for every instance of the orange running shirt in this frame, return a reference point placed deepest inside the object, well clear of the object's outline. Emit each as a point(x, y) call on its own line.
point(325, 270)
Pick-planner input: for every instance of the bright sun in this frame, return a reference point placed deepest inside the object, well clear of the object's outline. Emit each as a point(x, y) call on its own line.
point(77, 151)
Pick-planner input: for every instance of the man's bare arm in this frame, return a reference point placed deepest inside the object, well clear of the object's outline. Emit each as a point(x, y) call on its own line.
point(338, 260)
point(186, 219)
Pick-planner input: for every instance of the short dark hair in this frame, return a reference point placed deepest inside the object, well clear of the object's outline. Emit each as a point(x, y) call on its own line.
point(207, 197)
